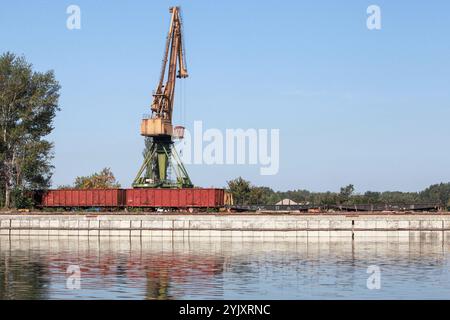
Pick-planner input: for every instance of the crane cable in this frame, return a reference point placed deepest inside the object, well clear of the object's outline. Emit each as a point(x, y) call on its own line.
point(183, 119)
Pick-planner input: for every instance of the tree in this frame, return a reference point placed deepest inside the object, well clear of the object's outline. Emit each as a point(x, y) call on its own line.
point(398, 197)
point(100, 180)
point(28, 105)
point(346, 193)
point(372, 197)
point(260, 195)
point(436, 193)
point(325, 198)
point(240, 189)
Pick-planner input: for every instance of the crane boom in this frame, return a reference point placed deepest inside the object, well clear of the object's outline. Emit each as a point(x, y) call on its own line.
point(160, 122)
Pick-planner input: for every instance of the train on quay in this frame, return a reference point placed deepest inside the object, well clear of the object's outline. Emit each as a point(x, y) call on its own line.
point(143, 199)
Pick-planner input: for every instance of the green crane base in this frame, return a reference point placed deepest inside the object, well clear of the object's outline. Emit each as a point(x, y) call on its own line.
point(159, 159)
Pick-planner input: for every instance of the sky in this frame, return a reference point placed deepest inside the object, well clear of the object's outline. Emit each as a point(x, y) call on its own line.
point(352, 105)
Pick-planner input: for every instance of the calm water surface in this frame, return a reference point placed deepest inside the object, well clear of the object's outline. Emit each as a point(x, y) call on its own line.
point(120, 268)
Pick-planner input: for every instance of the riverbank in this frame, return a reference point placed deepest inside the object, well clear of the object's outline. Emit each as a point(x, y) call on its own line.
point(348, 225)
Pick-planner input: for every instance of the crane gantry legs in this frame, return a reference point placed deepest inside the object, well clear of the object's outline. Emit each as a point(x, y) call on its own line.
point(160, 157)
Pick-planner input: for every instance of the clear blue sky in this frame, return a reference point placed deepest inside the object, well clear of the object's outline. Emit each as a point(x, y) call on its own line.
point(370, 108)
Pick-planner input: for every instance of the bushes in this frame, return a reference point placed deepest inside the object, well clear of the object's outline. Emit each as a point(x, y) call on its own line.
point(22, 199)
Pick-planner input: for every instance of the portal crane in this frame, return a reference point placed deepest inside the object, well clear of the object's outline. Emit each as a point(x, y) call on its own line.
point(160, 154)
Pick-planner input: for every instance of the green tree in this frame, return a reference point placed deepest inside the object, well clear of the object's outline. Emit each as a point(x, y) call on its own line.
point(240, 189)
point(260, 195)
point(346, 193)
point(436, 193)
point(372, 197)
point(398, 197)
point(28, 105)
point(100, 180)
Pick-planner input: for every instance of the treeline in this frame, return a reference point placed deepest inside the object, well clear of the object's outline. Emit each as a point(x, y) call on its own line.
point(246, 193)
point(104, 179)
point(28, 105)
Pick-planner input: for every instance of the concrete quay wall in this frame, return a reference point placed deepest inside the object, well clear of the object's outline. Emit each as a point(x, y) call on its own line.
point(225, 225)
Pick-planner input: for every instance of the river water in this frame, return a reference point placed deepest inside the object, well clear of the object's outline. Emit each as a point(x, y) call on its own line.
point(148, 268)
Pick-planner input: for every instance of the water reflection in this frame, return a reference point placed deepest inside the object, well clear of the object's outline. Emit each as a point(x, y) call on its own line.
point(124, 268)
point(23, 276)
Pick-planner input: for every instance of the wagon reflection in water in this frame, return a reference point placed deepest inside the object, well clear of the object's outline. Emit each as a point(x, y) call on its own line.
point(30, 273)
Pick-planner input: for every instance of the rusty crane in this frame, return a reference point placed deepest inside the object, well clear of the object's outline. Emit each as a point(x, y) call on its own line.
point(160, 155)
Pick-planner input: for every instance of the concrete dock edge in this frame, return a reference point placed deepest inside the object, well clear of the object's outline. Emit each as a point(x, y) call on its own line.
point(224, 225)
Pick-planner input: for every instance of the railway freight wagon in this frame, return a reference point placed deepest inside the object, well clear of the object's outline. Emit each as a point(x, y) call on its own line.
point(84, 198)
point(188, 198)
point(149, 198)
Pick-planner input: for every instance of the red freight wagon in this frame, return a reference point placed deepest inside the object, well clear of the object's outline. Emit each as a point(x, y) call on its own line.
point(175, 198)
point(84, 198)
